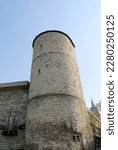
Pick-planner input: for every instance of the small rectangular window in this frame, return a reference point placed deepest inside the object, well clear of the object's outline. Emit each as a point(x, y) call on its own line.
point(16, 122)
point(10, 123)
point(76, 137)
point(12, 126)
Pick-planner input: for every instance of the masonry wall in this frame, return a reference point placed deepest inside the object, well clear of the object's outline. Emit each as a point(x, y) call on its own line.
point(13, 102)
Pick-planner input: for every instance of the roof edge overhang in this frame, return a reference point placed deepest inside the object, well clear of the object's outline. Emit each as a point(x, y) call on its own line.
point(14, 86)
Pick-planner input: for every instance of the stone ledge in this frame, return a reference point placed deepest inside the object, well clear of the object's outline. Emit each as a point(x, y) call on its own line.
point(13, 86)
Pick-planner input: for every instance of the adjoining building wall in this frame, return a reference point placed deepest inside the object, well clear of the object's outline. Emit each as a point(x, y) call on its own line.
point(13, 101)
point(95, 124)
point(57, 116)
point(13, 105)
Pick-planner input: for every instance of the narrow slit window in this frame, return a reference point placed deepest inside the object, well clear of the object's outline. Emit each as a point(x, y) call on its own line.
point(78, 138)
point(39, 71)
point(74, 138)
point(41, 46)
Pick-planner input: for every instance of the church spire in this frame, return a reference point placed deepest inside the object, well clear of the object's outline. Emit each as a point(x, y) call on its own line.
point(92, 103)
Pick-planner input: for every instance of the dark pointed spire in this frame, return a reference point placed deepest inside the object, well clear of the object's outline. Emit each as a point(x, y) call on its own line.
point(92, 103)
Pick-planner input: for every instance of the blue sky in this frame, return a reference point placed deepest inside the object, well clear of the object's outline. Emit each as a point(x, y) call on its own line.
point(21, 21)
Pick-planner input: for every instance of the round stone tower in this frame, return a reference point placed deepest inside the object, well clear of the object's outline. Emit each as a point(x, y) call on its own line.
point(57, 116)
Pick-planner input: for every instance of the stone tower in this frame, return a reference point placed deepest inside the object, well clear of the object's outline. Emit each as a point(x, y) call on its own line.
point(57, 116)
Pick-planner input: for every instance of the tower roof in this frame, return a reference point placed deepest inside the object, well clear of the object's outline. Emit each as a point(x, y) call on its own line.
point(52, 31)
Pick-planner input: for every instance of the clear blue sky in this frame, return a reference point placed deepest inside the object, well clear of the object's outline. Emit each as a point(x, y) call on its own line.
point(22, 20)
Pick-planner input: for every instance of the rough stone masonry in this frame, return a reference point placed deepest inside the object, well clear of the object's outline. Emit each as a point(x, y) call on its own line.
point(49, 113)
